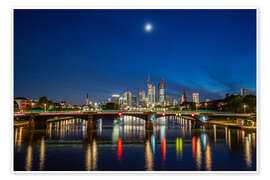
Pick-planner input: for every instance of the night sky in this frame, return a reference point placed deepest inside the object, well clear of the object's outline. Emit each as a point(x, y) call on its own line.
point(64, 54)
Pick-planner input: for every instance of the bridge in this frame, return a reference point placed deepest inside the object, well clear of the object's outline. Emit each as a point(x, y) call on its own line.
point(39, 118)
point(116, 112)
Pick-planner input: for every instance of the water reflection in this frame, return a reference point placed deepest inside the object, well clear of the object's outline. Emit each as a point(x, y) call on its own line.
point(164, 149)
point(42, 153)
point(125, 140)
point(179, 147)
point(18, 138)
point(215, 133)
point(29, 154)
point(208, 158)
point(248, 154)
point(148, 156)
point(198, 153)
point(91, 156)
point(119, 149)
point(153, 143)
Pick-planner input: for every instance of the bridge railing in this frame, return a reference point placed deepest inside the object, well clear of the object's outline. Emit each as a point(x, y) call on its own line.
point(147, 110)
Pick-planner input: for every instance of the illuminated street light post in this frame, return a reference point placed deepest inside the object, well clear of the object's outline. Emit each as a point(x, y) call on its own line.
point(32, 104)
point(245, 106)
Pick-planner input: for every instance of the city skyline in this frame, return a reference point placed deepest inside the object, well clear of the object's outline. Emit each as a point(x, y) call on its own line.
point(65, 56)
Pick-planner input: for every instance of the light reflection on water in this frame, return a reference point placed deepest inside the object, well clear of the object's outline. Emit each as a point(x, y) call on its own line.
point(173, 145)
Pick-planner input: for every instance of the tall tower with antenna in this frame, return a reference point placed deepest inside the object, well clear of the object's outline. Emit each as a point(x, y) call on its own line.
point(184, 97)
point(87, 101)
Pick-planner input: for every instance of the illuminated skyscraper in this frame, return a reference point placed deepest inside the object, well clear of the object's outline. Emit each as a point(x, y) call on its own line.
point(195, 98)
point(161, 93)
point(142, 100)
point(116, 98)
point(151, 93)
point(184, 97)
point(244, 92)
point(175, 102)
point(128, 98)
point(134, 101)
point(169, 100)
point(87, 101)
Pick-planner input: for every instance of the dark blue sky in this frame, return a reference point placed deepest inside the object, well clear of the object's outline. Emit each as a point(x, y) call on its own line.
point(64, 54)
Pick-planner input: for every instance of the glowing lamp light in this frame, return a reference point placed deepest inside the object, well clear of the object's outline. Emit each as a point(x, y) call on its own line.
point(120, 113)
point(193, 115)
point(163, 114)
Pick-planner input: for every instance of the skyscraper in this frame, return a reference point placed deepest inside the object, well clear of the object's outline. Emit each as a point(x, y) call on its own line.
point(128, 98)
point(169, 100)
point(184, 97)
point(142, 100)
point(244, 92)
point(161, 93)
point(151, 93)
point(195, 98)
point(87, 101)
point(134, 101)
point(175, 102)
point(116, 98)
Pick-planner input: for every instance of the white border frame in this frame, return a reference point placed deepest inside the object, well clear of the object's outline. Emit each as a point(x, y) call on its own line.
point(258, 124)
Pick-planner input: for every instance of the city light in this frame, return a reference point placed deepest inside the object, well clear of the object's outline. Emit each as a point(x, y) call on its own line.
point(164, 148)
point(119, 148)
point(194, 146)
point(120, 113)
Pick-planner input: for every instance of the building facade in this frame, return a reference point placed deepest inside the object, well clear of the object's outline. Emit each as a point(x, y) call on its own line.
point(195, 98)
point(134, 101)
point(142, 99)
point(116, 98)
point(184, 97)
point(161, 94)
point(175, 102)
point(87, 101)
point(23, 103)
point(127, 98)
point(169, 100)
point(244, 92)
point(151, 93)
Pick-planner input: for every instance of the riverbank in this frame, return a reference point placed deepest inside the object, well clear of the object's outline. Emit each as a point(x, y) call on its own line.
point(26, 123)
point(232, 125)
point(60, 118)
point(20, 123)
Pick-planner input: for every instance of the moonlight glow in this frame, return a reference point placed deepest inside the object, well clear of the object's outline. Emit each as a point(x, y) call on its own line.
point(148, 27)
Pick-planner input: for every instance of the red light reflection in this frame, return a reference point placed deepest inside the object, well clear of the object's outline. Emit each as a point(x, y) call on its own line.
point(119, 149)
point(164, 149)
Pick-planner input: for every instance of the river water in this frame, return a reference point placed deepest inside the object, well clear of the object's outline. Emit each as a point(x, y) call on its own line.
point(123, 144)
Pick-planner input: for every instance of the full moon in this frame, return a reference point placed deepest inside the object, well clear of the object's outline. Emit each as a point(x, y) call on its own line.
point(148, 27)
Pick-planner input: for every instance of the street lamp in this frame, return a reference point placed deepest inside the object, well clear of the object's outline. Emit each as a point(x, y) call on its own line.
point(245, 106)
point(45, 107)
point(32, 104)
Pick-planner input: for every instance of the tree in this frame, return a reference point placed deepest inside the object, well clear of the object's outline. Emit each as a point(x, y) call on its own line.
point(234, 103)
point(177, 108)
point(44, 103)
point(250, 103)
